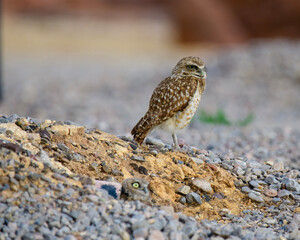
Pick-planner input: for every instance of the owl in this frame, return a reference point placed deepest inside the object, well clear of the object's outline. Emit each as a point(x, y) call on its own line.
point(174, 101)
point(135, 189)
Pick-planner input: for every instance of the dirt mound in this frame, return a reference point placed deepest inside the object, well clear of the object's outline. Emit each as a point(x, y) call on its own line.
point(53, 152)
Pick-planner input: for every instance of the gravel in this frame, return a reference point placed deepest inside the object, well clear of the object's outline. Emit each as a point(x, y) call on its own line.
point(264, 156)
point(67, 212)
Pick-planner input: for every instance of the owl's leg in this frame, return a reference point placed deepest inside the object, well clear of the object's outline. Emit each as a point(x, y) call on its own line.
point(175, 142)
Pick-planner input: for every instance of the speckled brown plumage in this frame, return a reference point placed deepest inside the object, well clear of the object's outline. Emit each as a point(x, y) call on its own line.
point(135, 189)
point(175, 100)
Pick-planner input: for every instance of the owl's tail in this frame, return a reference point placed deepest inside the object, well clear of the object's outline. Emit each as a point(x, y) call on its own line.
point(141, 129)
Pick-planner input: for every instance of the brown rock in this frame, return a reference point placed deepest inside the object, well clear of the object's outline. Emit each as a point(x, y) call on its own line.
point(203, 185)
point(278, 166)
point(156, 235)
point(67, 129)
point(184, 190)
point(270, 192)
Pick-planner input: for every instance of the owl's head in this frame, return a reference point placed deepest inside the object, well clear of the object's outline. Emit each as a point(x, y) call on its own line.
point(190, 66)
point(135, 189)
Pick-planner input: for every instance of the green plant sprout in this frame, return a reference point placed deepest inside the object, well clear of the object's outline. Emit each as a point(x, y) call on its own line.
point(220, 118)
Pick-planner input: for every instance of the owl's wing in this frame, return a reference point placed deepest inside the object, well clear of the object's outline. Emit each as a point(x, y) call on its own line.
point(171, 95)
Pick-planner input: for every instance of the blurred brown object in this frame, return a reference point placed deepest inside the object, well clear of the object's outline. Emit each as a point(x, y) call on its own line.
point(215, 21)
point(209, 21)
point(268, 18)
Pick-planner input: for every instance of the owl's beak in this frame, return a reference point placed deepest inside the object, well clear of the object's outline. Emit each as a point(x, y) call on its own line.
point(202, 73)
point(145, 190)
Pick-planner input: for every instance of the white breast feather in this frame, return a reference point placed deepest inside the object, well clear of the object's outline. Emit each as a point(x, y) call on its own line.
point(182, 119)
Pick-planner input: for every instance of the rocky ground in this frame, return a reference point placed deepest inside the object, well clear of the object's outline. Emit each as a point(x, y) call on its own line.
point(49, 172)
point(230, 182)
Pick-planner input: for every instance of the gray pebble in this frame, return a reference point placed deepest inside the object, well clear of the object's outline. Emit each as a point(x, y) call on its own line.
point(226, 230)
point(246, 189)
point(254, 184)
point(197, 160)
point(256, 171)
point(140, 233)
point(283, 193)
point(292, 185)
point(189, 229)
point(193, 198)
point(63, 147)
point(271, 180)
point(276, 200)
point(153, 152)
point(226, 166)
point(239, 171)
point(182, 200)
point(44, 157)
point(70, 237)
point(255, 197)
point(138, 158)
point(154, 141)
point(75, 157)
point(262, 233)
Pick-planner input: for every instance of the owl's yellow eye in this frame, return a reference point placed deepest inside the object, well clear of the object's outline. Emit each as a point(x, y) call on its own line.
point(191, 67)
point(136, 185)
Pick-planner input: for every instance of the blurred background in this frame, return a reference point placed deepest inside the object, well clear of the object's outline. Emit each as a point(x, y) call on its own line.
point(96, 62)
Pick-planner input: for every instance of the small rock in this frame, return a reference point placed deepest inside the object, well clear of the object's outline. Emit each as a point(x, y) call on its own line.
point(276, 200)
point(270, 192)
point(140, 233)
point(193, 198)
point(283, 193)
point(113, 188)
point(270, 220)
point(168, 209)
point(70, 237)
point(183, 189)
point(92, 198)
point(189, 228)
point(246, 189)
point(271, 180)
point(255, 197)
point(254, 184)
point(133, 146)
point(226, 231)
point(156, 235)
point(197, 160)
point(94, 166)
point(154, 141)
point(292, 185)
point(292, 174)
point(63, 147)
point(256, 171)
point(264, 233)
point(239, 171)
point(44, 157)
point(138, 158)
point(117, 172)
point(182, 200)
point(106, 169)
point(142, 170)
point(218, 195)
point(75, 157)
point(153, 152)
point(279, 167)
point(226, 166)
point(203, 185)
